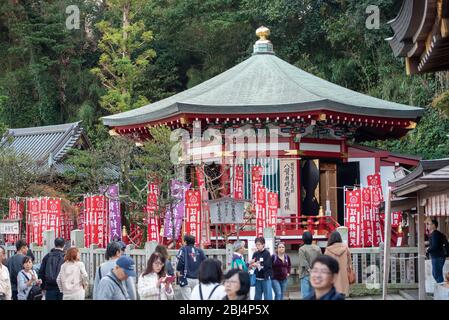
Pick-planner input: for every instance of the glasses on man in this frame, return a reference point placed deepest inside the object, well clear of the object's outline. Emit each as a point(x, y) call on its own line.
point(320, 272)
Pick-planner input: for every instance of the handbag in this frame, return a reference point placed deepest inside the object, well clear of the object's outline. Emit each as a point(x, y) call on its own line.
point(35, 292)
point(182, 279)
point(252, 278)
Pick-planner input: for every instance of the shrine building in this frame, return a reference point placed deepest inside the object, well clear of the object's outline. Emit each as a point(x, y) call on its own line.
point(317, 127)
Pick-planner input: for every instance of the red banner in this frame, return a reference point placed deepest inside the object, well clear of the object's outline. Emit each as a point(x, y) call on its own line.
point(367, 218)
point(16, 208)
point(377, 225)
point(193, 213)
point(98, 220)
point(238, 183)
point(353, 216)
point(87, 221)
point(375, 181)
point(273, 203)
point(34, 214)
point(205, 211)
point(261, 207)
point(153, 232)
point(43, 217)
point(54, 214)
point(256, 179)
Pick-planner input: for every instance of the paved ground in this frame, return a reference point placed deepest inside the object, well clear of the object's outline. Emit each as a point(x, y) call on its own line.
point(402, 295)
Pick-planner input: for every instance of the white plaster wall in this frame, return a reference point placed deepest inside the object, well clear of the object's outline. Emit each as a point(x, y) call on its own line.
point(386, 173)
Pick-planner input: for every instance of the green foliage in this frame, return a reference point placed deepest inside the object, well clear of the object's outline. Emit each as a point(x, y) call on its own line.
point(16, 175)
point(125, 56)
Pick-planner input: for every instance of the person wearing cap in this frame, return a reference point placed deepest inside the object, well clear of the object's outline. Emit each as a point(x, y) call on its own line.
point(238, 260)
point(113, 253)
point(111, 286)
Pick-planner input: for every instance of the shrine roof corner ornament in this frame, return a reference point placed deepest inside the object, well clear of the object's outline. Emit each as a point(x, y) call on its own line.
point(264, 85)
point(421, 35)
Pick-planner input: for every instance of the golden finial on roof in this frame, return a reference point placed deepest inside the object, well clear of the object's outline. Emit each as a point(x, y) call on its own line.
point(263, 33)
point(263, 45)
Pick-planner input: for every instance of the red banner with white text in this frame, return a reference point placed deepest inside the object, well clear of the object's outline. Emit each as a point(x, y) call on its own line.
point(193, 214)
point(238, 183)
point(273, 203)
point(153, 232)
point(261, 209)
point(353, 209)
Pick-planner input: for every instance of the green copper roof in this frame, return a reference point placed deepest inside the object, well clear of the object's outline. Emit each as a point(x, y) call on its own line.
point(264, 83)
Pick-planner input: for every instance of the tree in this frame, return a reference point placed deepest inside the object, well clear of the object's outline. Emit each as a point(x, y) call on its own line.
point(17, 174)
point(125, 55)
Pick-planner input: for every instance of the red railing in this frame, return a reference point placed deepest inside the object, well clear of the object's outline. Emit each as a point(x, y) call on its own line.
point(286, 226)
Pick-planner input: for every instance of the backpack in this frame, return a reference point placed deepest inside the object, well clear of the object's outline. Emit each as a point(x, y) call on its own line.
point(52, 268)
point(35, 291)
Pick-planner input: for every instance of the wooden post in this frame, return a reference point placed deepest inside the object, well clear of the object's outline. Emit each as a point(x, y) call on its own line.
point(421, 251)
point(49, 241)
point(229, 253)
point(387, 244)
point(412, 231)
point(77, 238)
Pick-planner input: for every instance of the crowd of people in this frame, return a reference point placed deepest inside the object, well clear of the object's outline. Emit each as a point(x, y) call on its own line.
point(62, 276)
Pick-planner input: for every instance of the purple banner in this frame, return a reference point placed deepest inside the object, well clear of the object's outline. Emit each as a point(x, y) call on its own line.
point(115, 224)
point(178, 190)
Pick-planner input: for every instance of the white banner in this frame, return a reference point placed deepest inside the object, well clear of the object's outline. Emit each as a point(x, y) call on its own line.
point(9, 227)
point(288, 187)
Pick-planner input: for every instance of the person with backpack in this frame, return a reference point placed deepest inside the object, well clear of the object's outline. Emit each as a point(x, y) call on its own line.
point(438, 250)
point(281, 271)
point(238, 260)
point(28, 282)
point(72, 279)
point(49, 270)
point(307, 253)
point(209, 286)
point(113, 253)
point(189, 261)
point(15, 265)
point(111, 285)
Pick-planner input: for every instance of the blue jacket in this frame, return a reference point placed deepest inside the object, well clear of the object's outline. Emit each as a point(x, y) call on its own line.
point(194, 258)
point(111, 288)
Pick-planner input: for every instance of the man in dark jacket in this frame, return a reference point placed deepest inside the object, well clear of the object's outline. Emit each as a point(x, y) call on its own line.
point(49, 270)
point(437, 240)
point(322, 277)
point(263, 265)
point(15, 264)
point(189, 260)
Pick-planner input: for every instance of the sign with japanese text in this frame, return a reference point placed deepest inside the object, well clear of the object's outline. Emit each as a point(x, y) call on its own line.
point(193, 214)
point(153, 232)
point(288, 187)
point(261, 209)
point(238, 183)
point(272, 209)
point(353, 214)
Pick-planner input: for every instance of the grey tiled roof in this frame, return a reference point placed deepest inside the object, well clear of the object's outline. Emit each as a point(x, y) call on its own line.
point(46, 145)
point(264, 83)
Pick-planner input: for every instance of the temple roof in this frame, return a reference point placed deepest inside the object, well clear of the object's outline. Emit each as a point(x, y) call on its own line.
point(421, 35)
point(46, 145)
point(264, 84)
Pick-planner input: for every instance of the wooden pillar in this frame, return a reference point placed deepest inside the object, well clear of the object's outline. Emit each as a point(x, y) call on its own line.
point(344, 150)
point(387, 244)
point(421, 250)
point(412, 231)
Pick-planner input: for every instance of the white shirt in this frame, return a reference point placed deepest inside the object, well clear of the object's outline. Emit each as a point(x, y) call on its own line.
point(5, 282)
point(148, 289)
point(206, 289)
